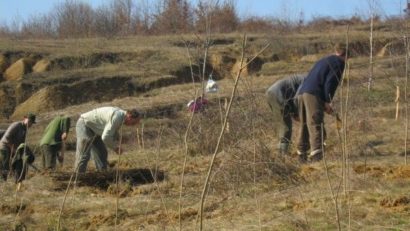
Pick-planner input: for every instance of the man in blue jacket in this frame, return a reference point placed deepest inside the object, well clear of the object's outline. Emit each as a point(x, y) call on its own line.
point(314, 98)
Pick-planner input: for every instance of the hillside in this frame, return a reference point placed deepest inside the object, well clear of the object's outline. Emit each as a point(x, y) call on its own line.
point(363, 183)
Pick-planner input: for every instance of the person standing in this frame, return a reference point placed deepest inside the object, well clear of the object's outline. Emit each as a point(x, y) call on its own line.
point(314, 98)
point(12, 138)
point(98, 129)
point(53, 141)
point(281, 99)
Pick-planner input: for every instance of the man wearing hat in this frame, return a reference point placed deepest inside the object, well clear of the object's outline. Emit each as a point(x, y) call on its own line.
point(12, 138)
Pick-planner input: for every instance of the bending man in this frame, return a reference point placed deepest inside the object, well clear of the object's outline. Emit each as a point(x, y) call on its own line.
point(281, 100)
point(11, 140)
point(52, 143)
point(97, 129)
point(314, 98)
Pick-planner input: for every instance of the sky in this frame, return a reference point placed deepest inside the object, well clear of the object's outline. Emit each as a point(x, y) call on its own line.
point(12, 10)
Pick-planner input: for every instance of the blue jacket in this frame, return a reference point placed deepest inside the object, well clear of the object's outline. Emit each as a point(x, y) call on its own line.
point(324, 78)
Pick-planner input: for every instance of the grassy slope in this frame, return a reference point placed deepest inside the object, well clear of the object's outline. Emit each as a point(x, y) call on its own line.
point(252, 188)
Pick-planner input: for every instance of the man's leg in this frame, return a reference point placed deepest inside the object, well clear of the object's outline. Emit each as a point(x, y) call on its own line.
point(49, 156)
point(286, 132)
point(4, 163)
point(280, 123)
point(99, 154)
point(84, 139)
point(315, 122)
point(303, 136)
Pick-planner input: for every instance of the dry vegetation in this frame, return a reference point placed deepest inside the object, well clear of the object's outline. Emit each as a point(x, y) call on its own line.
point(251, 187)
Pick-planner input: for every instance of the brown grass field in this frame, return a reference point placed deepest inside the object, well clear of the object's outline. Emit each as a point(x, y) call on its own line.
point(363, 184)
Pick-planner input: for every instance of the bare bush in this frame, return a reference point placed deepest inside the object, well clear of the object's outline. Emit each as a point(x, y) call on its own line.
point(173, 16)
point(41, 26)
point(256, 24)
point(223, 17)
point(74, 19)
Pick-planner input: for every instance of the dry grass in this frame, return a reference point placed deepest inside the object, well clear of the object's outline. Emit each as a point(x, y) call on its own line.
point(252, 188)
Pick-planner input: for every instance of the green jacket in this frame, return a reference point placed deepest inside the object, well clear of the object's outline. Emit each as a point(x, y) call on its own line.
point(54, 130)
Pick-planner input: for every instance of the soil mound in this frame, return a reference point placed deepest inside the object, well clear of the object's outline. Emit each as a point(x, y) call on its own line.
point(253, 67)
point(18, 69)
point(43, 100)
point(42, 65)
point(60, 96)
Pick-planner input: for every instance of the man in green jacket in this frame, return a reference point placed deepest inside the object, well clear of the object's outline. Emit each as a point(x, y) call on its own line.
point(52, 143)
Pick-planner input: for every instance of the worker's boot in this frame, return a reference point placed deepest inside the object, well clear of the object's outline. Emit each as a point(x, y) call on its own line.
point(284, 148)
point(316, 155)
point(302, 157)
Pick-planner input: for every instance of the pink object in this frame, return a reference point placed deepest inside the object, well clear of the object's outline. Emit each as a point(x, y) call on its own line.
point(198, 106)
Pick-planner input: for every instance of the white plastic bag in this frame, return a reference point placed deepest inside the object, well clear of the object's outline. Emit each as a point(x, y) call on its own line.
point(211, 86)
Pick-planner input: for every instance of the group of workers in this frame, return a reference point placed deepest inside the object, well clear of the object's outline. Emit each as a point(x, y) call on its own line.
point(299, 97)
point(306, 99)
point(95, 131)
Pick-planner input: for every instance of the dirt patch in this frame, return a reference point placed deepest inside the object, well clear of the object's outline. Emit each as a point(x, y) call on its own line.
point(107, 219)
point(15, 208)
point(374, 171)
point(390, 202)
point(397, 172)
point(103, 180)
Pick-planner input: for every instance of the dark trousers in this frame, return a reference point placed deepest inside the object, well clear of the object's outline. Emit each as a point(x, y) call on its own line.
point(4, 162)
point(49, 155)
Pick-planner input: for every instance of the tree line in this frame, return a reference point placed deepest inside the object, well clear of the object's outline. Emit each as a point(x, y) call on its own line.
point(78, 19)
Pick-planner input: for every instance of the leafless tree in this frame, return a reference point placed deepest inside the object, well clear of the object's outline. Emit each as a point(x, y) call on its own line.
point(173, 16)
point(74, 19)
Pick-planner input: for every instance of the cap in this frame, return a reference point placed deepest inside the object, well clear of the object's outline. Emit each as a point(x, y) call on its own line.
point(31, 117)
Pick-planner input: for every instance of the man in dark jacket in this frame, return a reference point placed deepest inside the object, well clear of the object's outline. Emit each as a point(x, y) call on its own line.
point(281, 100)
point(52, 143)
point(14, 136)
point(314, 98)
point(20, 162)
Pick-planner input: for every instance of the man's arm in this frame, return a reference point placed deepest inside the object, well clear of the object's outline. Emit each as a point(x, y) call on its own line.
point(111, 129)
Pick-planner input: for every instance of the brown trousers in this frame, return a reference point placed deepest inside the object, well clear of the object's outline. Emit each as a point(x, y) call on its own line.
point(311, 114)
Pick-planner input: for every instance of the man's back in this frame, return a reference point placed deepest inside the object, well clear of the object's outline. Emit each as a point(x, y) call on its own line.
point(324, 78)
point(285, 89)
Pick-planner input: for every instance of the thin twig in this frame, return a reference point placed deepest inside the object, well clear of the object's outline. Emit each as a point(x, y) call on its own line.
point(329, 183)
point(117, 176)
point(207, 180)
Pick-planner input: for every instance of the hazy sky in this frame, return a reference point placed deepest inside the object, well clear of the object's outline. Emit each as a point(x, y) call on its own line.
point(11, 10)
